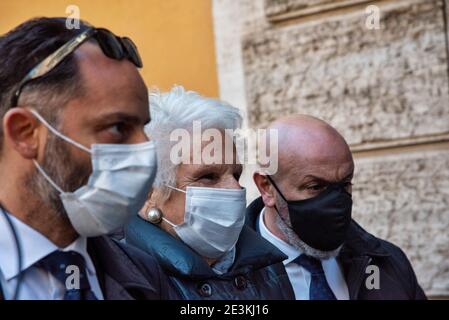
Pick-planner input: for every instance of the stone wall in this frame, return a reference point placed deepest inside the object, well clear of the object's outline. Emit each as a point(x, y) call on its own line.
point(277, 10)
point(404, 197)
point(373, 85)
point(386, 90)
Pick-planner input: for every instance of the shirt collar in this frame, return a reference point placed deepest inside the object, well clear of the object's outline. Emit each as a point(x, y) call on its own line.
point(223, 265)
point(34, 247)
point(290, 251)
point(80, 246)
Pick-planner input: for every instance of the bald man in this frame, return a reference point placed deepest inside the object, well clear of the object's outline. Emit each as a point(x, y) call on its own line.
point(305, 211)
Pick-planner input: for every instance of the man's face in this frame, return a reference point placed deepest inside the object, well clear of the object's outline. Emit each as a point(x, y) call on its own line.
point(312, 156)
point(305, 176)
point(307, 179)
point(113, 109)
point(307, 170)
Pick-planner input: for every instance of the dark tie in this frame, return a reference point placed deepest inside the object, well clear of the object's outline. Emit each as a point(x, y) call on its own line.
point(319, 288)
point(57, 262)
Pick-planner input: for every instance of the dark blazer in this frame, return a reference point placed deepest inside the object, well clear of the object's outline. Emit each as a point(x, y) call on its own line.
point(257, 271)
point(125, 272)
point(397, 278)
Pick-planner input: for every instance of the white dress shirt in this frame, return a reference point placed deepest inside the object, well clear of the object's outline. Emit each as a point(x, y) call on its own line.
point(37, 284)
point(300, 277)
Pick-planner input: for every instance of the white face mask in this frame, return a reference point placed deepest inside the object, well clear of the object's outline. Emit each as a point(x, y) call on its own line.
point(122, 175)
point(213, 219)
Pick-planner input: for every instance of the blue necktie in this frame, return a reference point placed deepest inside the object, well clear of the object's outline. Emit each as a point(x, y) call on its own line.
point(57, 262)
point(319, 288)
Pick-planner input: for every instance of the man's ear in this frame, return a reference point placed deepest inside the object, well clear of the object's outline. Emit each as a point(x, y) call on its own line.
point(21, 132)
point(266, 189)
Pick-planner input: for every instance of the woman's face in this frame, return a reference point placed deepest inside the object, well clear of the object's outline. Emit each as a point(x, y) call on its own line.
point(223, 175)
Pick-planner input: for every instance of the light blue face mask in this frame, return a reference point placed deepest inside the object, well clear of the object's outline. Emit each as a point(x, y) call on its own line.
point(213, 219)
point(122, 176)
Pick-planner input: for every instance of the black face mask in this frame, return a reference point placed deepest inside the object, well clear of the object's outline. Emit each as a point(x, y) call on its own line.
point(322, 221)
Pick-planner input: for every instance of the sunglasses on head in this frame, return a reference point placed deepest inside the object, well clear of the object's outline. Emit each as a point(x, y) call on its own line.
point(114, 47)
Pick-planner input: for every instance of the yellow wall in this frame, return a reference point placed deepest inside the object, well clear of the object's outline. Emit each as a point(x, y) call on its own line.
point(174, 37)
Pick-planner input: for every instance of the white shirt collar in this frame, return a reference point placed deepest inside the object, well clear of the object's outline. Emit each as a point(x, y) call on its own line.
point(291, 252)
point(34, 246)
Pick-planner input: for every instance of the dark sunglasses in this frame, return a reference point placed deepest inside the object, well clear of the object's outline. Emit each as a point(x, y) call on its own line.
point(114, 47)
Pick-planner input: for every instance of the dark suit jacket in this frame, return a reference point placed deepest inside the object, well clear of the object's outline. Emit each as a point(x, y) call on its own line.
point(125, 272)
point(361, 249)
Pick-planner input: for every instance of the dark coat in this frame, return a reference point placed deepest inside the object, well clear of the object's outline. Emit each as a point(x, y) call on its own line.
point(257, 272)
point(397, 278)
point(125, 272)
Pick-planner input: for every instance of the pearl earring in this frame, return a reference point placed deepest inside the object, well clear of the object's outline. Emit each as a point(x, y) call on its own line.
point(154, 215)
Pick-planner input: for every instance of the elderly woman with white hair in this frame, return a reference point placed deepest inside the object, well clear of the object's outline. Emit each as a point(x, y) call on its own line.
point(193, 221)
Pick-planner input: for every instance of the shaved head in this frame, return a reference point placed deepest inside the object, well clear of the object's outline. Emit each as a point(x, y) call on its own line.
point(311, 155)
point(306, 142)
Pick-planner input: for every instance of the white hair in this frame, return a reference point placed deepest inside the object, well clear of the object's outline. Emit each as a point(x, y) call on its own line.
point(177, 109)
